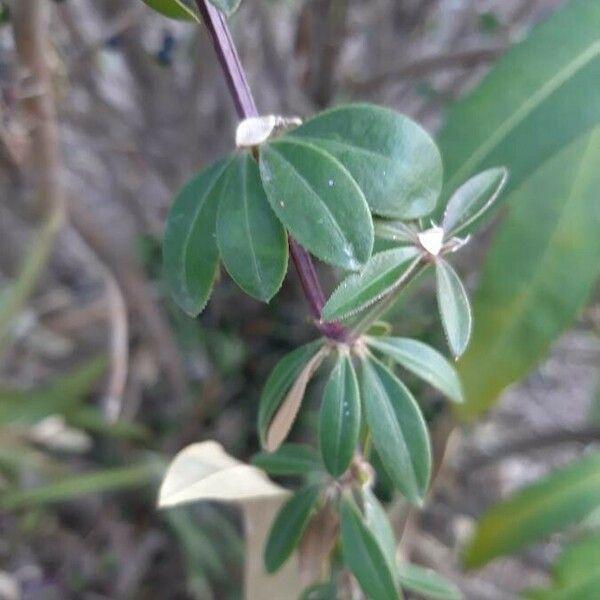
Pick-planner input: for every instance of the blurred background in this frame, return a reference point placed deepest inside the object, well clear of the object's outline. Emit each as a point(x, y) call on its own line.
point(87, 175)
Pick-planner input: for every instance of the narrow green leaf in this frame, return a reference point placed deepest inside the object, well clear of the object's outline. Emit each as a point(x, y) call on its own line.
point(539, 97)
point(174, 9)
point(422, 360)
point(318, 202)
point(364, 556)
point(395, 231)
point(473, 199)
point(339, 425)
point(384, 272)
point(289, 525)
point(75, 486)
point(393, 160)
point(427, 583)
point(539, 272)
point(280, 381)
point(289, 459)
point(251, 240)
point(378, 523)
point(454, 306)
point(577, 561)
point(397, 428)
point(561, 499)
point(190, 255)
point(320, 591)
point(226, 6)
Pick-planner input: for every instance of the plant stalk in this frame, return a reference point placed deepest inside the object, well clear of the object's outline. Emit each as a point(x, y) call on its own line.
point(245, 106)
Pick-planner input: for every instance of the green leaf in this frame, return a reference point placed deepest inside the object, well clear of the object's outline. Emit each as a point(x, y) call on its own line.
point(395, 231)
point(252, 242)
point(365, 557)
point(377, 521)
point(280, 381)
point(75, 486)
point(561, 499)
point(320, 591)
point(339, 425)
point(539, 272)
point(384, 272)
point(577, 561)
point(398, 429)
point(539, 97)
point(226, 6)
point(318, 202)
point(422, 360)
point(427, 583)
point(454, 306)
point(174, 9)
point(472, 200)
point(394, 161)
point(289, 459)
point(190, 255)
point(289, 525)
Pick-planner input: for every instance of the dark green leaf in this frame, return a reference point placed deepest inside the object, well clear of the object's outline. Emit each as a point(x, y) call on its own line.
point(339, 425)
point(252, 242)
point(318, 202)
point(539, 97)
point(473, 199)
point(427, 583)
point(539, 272)
point(393, 160)
point(365, 557)
point(422, 360)
point(384, 272)
point(190, 255)
point(226, 6)
point(561, 499)
point(174, 9)
point(289, 459)
point(379, 525)
point(279, 382)
point(454, 306)
point(289, 525)
point(398, 429)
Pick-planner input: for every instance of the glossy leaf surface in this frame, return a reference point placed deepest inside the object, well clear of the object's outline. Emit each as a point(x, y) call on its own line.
point(454, 306)
point(398, 429)
point(339, 424)
point(190, 254)
point(539, 97)
point(365, 557)
point(317, 200)
point(563, 498)
point(252, 242)
point(384, 272)
point(422, 360)
point(393, 159)
point(539, 272)
point(289, 525)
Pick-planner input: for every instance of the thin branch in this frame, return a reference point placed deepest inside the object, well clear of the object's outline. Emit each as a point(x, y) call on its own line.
point(246, 107)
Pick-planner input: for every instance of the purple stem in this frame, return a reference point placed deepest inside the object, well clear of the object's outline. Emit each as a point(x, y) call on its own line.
point(246, 107)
